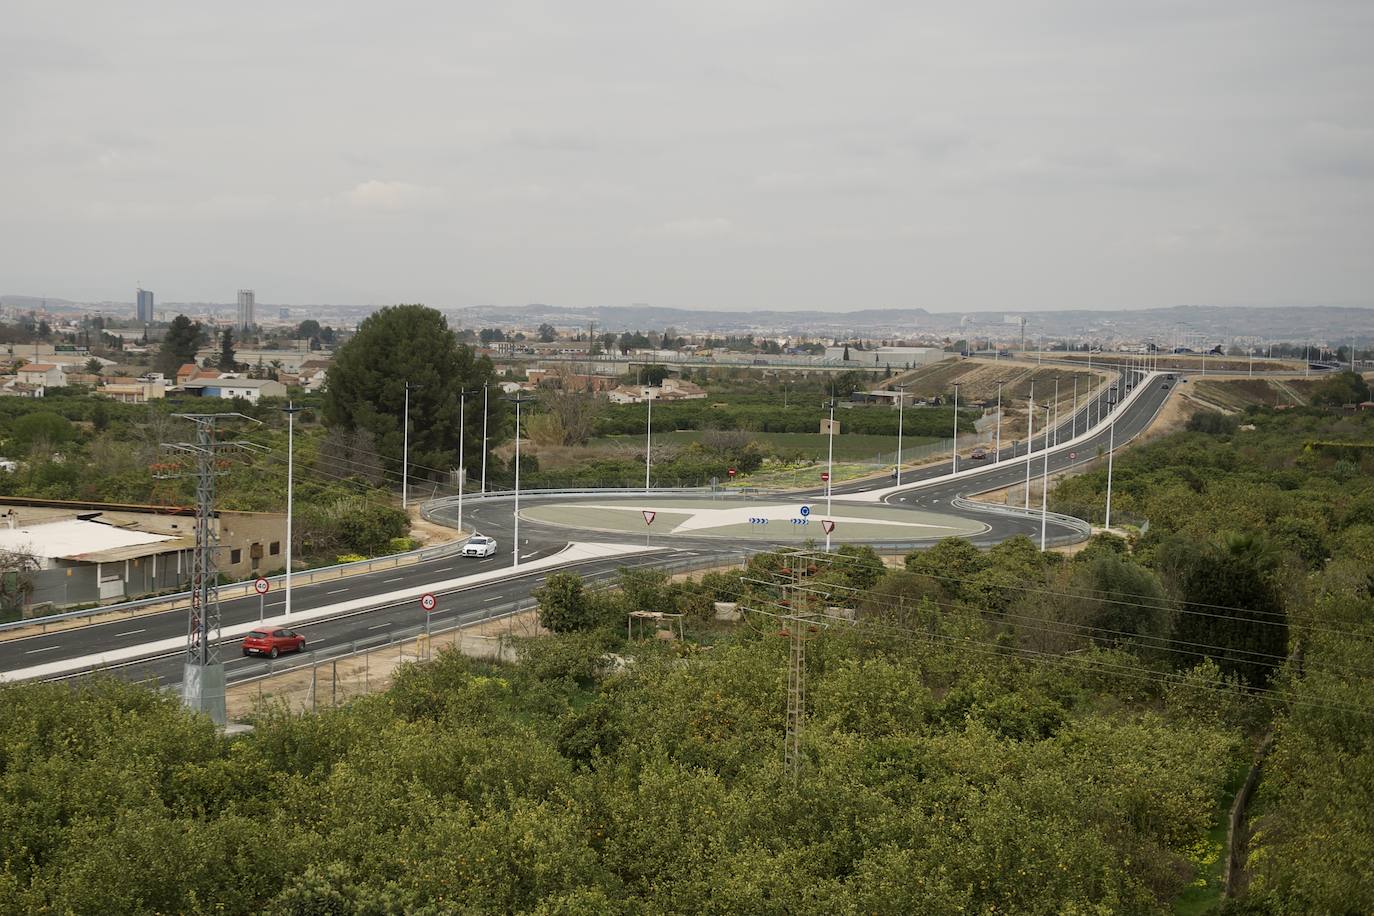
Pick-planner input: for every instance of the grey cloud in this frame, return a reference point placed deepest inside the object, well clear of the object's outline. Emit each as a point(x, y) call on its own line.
point(767, 153)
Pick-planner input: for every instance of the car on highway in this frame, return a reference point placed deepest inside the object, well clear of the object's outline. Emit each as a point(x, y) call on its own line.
point(479, 545)
point(272, 642)
point(979, 454)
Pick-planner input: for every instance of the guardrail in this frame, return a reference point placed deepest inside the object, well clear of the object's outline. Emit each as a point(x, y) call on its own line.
point(1081, 528)
point(333, 654)
point(234, 590)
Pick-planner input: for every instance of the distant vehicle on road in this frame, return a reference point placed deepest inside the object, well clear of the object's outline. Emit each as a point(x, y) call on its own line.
point(272, 642)
point(979, 454)
point(479, 545)
point(1165, 386)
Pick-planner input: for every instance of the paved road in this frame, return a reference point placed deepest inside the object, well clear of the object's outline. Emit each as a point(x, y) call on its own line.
point(494, 517)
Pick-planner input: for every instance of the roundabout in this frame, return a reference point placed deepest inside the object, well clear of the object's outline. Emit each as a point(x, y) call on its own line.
point(763, 520)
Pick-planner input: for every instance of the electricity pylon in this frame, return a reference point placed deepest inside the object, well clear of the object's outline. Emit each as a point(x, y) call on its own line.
point(202, 683)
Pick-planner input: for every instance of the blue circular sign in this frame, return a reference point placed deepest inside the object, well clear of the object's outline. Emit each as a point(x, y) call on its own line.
point(805, 511)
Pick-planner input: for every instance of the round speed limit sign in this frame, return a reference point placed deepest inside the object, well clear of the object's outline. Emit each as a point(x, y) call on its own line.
point(261, 585)
point(428, 601)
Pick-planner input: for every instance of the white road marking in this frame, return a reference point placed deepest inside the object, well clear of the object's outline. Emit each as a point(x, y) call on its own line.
point(44, 649)
point(379, 626)
point(494, 598)
point(336, 591)
point(132, 632)
point(576, 551)
point(389, 581)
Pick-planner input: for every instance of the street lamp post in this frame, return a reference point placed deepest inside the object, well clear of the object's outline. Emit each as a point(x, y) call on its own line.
point(997, 455)
point(954, 443)
point(1030, 437)
point(901, 404)
point(485, 390)
point(648, 435)
point(829, 465)
point(290, 410)
point(1044, 488)
point(1055, 424)
point(1073, 422)
point(1111, 449)
point(515, 547)
point(462, 468)
point(405, 452)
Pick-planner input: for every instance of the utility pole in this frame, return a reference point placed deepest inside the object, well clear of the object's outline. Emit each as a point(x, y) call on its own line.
point(796, 675)
point(202, 684)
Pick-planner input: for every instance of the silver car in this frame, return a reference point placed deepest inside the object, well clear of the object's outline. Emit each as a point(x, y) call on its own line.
point(479, 545)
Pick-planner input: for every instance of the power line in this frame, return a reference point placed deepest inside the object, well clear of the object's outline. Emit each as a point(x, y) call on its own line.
point(1096, 594)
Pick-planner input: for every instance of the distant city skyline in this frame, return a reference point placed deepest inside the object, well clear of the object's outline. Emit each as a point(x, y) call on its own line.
point(1040, 155)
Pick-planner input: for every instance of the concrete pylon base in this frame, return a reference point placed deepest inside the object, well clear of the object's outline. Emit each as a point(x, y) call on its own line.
point(202, 690)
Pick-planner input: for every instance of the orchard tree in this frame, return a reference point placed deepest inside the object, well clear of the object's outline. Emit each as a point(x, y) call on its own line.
point(547, 333)
point(564, 605)
point(367, 389)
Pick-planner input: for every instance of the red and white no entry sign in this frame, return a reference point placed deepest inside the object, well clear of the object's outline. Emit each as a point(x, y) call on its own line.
point(428, 601)
point(825, 475)
point(261, 585)
point(649, 516)
point(731, 472)
point(828, 525)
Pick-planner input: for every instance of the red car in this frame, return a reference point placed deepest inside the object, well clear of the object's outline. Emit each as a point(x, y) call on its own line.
point(272, 642)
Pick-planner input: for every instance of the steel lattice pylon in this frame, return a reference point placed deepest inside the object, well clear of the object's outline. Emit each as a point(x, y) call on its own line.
point(203, 675)
point(203, 625)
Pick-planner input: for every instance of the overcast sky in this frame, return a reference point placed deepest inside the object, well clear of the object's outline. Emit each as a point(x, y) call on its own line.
point(705, 153)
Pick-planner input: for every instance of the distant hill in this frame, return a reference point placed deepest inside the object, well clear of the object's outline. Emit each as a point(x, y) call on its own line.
point(1222, 323)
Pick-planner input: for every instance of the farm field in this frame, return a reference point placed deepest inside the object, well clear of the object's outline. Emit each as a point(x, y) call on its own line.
point(848, 447)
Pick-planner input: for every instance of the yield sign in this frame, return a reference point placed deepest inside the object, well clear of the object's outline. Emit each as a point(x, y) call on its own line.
point(828, 525)
point(649, 516)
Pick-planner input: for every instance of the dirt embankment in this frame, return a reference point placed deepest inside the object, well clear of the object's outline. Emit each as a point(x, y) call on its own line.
point(978, 382)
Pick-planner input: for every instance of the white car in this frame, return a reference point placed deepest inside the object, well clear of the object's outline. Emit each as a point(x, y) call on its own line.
point(479, 545)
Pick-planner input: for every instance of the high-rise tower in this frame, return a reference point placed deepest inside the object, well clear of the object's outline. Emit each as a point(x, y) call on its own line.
point(247, 303)
point(145, 305)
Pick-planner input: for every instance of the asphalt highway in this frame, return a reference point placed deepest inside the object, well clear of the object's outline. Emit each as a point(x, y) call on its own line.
point(494, 517)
